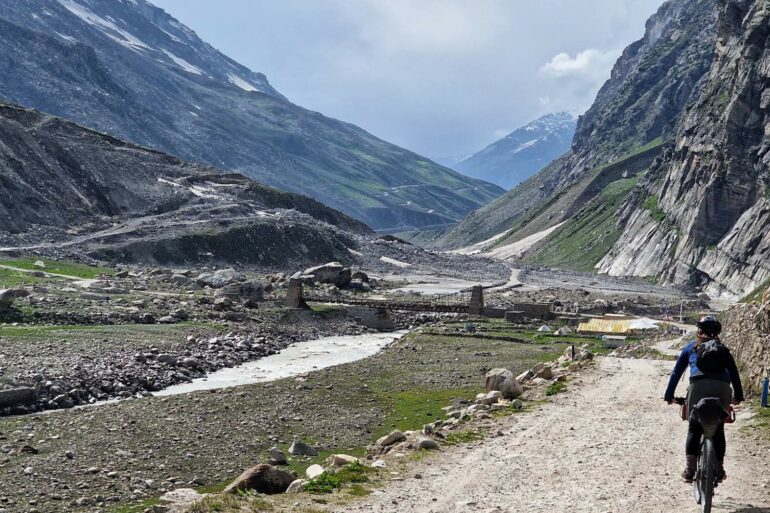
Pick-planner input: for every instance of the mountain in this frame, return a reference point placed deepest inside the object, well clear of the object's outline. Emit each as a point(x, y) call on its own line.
point(522, 153)
point(702, 217)
point(91, 193)
point(129, 69)
point(616, 141)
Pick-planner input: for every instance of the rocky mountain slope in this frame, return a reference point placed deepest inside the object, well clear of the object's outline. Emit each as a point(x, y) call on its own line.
point(129, 69)
point(523, 152)
point(80, 189)
point(619, 137)
point(703, 216)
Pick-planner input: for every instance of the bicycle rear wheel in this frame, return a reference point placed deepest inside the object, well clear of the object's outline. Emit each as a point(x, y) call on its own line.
point(706, 474)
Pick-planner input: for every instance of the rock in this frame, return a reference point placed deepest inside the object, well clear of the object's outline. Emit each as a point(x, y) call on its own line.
point(503, 381)
point(490, 398)
point(378, 464)
point(277, 457)
point(262, 479)
point(334, 273)
point(314, 471)
point(427, 444)
point(222, 303)
point(584, 355)
point(251, 290)
point(524, 376)
point(296, 486)
point(168, 359)
point(167, 319)
point(299, 448)
point(180, 498)
point(546, 372)
point(39, 264)
point(517, 404)
point(392, 438)
point(8, 296)
point(340, 460)
point(181, 280)
point(219, 279)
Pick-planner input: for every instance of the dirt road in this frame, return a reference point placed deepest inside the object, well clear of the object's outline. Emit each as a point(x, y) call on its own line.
point(609, 444)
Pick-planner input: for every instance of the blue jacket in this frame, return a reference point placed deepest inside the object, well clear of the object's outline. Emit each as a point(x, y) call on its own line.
point(689, 357)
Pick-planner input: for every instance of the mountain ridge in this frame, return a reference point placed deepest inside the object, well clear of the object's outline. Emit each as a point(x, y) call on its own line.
point(517, 156)
point(129, 69)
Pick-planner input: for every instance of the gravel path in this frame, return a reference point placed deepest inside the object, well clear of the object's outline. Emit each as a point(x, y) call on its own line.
point(609, 444)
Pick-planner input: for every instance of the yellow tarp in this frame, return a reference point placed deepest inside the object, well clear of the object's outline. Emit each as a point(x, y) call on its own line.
point(605, 326)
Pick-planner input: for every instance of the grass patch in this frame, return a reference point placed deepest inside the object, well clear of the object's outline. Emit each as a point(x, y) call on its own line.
point(464, 437)
point(73, 269)
point(586, 238)
point(413, 408)
point(325, 483)
point(651, 204)
point(555, 388)
point(757, 293)
point(11, 278)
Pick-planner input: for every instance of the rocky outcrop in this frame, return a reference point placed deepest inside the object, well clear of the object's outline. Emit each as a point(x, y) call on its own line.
point(636, 109)
point(703, 216)
point(747, 334)
point(97, 195)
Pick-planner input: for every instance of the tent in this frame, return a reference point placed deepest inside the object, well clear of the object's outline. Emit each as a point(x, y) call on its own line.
point(545, 328)
point(564, 330)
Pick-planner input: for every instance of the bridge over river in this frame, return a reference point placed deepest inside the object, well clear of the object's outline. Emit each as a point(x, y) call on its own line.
point(469, 301)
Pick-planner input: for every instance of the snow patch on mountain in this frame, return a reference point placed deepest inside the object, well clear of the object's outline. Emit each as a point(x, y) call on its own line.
point(243, 84)
point(183, 63)
point(109, 28)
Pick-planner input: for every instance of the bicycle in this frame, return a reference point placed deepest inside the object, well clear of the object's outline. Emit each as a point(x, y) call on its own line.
point(709, 413)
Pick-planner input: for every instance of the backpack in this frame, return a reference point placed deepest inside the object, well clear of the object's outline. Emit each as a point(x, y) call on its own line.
point(712, 357)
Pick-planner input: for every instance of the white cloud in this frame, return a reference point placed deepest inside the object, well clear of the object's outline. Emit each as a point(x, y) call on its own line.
point(442, 77)
point(590, 62)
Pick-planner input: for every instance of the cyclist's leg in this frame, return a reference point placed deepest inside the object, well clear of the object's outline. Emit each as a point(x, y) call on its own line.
point(720, 447)
point(692, 447)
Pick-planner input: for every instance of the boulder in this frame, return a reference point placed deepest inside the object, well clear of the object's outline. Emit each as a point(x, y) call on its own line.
point(262, 479)
point(427, 444)
point(219, 279)
point(248, 290)
point(340, 460)
point(299, 448)
point(503, 381)
point(546, 372)
point(180, 499)
point(8, 296)
point(297, 486)
point(334, 273)
point(314, 471)
point(392, 438)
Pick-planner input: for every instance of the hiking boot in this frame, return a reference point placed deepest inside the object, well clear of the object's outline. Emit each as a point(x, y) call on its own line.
point(689, 471)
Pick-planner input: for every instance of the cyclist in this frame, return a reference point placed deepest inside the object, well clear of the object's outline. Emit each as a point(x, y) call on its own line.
point(712, 370)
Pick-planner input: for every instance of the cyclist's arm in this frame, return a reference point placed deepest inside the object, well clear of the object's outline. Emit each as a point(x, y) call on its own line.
point(681, 364)
point(735, 379)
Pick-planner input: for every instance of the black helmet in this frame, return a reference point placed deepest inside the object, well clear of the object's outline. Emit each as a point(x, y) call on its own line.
point(710, 326)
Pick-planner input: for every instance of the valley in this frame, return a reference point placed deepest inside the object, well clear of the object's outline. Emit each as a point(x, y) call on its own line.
point(213, 299)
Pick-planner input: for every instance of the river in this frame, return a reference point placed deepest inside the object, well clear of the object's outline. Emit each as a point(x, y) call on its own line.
point(295, 360)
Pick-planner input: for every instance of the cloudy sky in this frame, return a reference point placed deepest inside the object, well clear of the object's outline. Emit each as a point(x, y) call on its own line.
point(440, 77)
